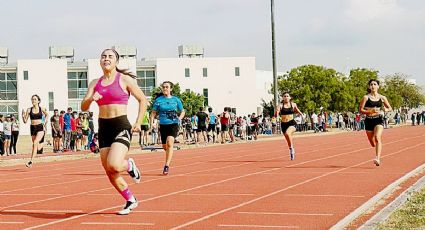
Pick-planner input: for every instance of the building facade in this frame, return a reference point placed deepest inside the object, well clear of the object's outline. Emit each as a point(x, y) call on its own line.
point(223, 81)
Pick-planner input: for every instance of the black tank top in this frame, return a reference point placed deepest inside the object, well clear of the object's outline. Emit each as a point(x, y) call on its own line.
point(373, 104)
point(36, 116)
point(286, 111)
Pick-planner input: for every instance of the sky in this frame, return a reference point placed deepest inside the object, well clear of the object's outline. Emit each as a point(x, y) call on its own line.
point(384, 35)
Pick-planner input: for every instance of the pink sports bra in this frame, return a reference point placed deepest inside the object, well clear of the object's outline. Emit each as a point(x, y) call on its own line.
point(111, 94)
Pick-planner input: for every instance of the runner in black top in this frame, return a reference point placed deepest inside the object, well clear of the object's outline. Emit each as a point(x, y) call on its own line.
point(203, 119)
point(371, 105)
point(288, 124)
point(37, 128)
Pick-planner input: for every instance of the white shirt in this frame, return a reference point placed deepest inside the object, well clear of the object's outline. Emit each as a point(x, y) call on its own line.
point(1, 127)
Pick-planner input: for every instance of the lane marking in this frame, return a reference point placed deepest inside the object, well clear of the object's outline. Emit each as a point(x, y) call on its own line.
point(327, 195)
point(116, 223)
point(44, 211)
point(287, 213)
point(255, 226)
point(217, 194)
point(10, 222)
point(166, 211)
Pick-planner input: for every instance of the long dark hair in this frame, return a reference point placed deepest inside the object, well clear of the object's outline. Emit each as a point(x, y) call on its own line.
point(368, 84)
point(123, 71)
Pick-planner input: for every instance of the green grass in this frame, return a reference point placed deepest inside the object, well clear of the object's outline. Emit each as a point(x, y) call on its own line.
point(410, 215)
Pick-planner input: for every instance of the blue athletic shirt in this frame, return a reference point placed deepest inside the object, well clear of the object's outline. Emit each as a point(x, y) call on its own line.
point(167, 108)
point(213, 118)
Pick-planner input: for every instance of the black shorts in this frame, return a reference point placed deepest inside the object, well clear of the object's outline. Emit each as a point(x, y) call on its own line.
point(371, 122)
point(144, 127)
point(201, 128)
point(34, 129)
point(231, 126)
point(170, 130)
point(285, 125)
point(224, 128)
point(111, 130)
point(211, 127)
point(56, 134)
point(85, 132)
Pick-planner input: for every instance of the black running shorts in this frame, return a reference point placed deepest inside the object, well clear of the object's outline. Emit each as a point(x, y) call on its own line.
point(111, 130)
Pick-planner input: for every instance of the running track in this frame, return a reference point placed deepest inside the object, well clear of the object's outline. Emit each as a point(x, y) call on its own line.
point(242, 186)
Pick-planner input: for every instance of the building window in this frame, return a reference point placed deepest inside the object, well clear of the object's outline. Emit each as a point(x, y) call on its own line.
point(205, 93)
point(77, 85)
point(205, 72)
point(51, 102)
point(187, 72)
point(8, 86)
point(146, 81)
point(9, 108)
point(237, 71)
point(25, 75)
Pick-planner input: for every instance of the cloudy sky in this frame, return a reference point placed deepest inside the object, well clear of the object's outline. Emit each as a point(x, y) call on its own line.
point(386, 35)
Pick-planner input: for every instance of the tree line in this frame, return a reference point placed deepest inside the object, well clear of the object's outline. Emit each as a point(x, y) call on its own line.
point(313, 87)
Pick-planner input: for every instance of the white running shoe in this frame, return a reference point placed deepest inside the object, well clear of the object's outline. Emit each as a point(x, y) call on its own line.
point(292, 153)
point(128, 207)
point(377, 161)
point(134, 172)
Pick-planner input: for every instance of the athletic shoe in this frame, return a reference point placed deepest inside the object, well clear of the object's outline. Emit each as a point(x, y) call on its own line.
point(292, 153)
point(166, 169)
point(29, 164)
point(134, 172)
point(377, 161)
point(128, 207)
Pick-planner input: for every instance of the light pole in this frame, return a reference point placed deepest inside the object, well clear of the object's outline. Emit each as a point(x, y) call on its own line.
point(274, 59)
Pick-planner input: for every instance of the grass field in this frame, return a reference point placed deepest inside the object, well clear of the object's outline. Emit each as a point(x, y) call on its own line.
point(410, 215)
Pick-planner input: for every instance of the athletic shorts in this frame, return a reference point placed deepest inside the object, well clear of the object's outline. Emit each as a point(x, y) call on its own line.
point(372, 122)
point(201, 128)
point(285, 125)
point(7, 137)
point(170, 130)
point(56, 134)
point(144, 127)
point(34, 129)
point(224, 128)
point(112, 130)
point(211, 127)
point(85, 132)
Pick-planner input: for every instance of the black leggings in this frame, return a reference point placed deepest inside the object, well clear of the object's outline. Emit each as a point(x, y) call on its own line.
point(13, 141)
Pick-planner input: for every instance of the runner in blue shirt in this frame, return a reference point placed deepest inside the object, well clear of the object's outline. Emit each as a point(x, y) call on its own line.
point(171, 112)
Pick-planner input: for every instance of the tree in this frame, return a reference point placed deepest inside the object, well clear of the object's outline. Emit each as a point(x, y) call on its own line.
point(401, 93)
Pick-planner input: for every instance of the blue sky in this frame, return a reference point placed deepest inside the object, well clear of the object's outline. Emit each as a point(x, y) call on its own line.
point(386, 35)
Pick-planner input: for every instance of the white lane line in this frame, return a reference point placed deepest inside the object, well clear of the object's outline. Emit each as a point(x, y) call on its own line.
point(115, 194)
point(22, 194)
point(285, 189)
point(44, 211)
point(217, 194)
point(165, 211)
point(255, 226)
point(116, 223)
point(287, 213)
point(327, 195)
point(10, 222)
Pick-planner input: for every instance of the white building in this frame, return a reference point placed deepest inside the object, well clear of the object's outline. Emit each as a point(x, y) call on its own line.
point(61, 83)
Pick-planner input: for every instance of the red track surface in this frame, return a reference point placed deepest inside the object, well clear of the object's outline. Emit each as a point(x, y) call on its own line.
point(242, 186)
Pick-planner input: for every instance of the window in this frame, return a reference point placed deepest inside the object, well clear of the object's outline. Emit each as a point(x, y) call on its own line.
point(9, 108)
point(237, 72)
point(77, 85)
point(8, 86)
point(51, 102)
point(205, 72)
point(205, 93)
point(25, 75)
point(187, 72)
point(146, 81)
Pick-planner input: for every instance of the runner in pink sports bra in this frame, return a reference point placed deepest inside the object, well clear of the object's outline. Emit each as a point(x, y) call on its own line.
point(113, 93)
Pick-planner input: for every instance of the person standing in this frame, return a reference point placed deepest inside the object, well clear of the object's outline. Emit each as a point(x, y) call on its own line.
point(111, 92)
point(171, 112)
point(371, 105)
point(56, 130)
point(203, 119)
point(15, 135)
